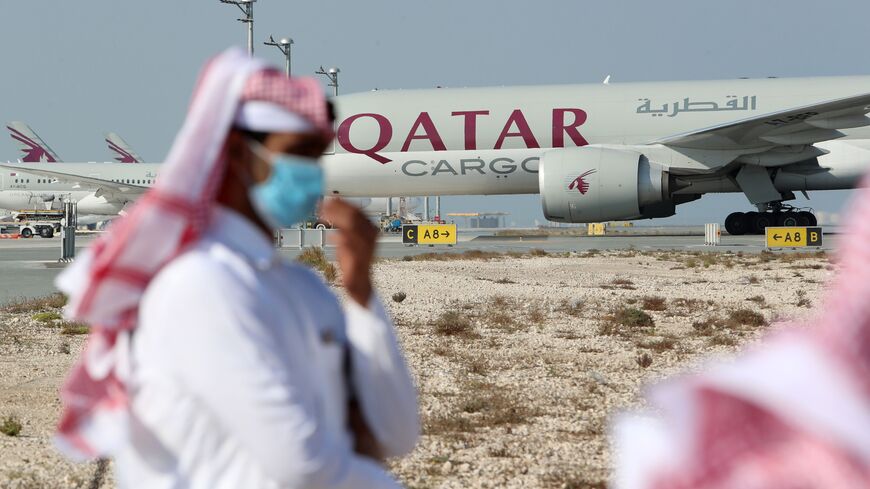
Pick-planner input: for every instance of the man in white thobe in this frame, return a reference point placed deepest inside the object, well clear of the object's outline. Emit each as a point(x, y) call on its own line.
point(220, 364)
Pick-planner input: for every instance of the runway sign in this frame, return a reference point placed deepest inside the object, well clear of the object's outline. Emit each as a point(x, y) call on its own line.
point(429, 234)
point(793, 237)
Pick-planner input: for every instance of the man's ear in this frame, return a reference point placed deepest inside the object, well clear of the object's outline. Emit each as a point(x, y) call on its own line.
point(237, 147)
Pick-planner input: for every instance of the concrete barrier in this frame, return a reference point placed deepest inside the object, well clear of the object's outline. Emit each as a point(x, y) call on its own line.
point(301, 238)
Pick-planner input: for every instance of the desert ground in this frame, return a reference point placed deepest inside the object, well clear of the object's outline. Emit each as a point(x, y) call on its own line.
point(520, 360)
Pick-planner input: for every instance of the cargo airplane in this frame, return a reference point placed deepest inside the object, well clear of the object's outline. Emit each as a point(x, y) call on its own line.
point(617, 151)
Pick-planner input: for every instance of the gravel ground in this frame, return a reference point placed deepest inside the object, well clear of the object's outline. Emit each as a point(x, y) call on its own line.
point(519, 361)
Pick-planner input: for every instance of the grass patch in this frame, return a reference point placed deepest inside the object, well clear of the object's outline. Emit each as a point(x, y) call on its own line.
point(11, 426)
point(653, 303)
point(316, 259)
point(53, 301)
point(69, 328)
point(47, 317)
point(625, 321)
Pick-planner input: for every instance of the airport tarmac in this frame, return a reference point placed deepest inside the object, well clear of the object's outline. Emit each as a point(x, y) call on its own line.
point(28, 267)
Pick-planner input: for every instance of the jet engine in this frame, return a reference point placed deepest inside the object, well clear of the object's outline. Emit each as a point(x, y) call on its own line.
point(594, 184)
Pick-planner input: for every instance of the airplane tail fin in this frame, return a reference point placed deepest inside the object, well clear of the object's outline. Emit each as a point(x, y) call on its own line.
point(123, 153)
point(32, 146)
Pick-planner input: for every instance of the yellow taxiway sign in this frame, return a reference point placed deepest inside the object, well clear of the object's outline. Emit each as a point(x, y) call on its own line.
point(793, 237)
point(429, 234)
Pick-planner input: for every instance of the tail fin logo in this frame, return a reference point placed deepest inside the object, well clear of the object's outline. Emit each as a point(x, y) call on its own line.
point(122, 155)
point(33, 151)
point(580, 182)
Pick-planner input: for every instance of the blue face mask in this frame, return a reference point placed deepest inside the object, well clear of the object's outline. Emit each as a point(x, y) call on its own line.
point(291, 192)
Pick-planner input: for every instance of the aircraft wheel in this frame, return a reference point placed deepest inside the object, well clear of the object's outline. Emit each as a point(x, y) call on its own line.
point(320, 226)
point(802, 218)
point(761, 220)
point(811, 218)
point(736, 224)
point(789, 219)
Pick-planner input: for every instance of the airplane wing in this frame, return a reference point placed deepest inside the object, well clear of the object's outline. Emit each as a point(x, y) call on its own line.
point(101, 187)
point(804, 125)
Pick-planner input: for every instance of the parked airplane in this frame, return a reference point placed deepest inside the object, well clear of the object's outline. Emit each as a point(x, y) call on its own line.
point(23, 191)
point(614, 151)
point(593, 152)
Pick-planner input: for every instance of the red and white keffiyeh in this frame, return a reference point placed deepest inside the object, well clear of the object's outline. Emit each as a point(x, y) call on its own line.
point(107, 282)
point(791, 413)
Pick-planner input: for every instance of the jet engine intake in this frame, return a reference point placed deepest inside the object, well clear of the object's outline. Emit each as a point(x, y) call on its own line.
point(594, 184)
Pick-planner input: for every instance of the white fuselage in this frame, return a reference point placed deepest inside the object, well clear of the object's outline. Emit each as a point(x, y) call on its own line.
point(490, 140)
point(20, 190)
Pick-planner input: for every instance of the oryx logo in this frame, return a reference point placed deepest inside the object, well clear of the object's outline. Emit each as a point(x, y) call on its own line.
point(122, 155)
point(580, 182)
point(33, 151)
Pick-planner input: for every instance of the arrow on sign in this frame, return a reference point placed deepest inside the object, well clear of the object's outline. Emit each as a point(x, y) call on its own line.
point(776, 237)
point(447, 233)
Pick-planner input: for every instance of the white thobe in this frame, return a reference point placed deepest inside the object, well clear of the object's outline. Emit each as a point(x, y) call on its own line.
point(240, 377)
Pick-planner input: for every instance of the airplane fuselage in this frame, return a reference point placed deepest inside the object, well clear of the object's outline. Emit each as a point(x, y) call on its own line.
point(489, 140)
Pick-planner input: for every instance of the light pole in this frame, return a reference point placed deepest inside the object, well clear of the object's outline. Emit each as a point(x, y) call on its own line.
point(332, 74)
point(247, 8)
point(284, 45)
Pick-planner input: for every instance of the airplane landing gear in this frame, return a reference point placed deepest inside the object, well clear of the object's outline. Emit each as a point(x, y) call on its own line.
point(739, 223)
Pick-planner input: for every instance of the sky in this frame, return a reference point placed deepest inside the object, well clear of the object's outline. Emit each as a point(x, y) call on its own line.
point(75, 70)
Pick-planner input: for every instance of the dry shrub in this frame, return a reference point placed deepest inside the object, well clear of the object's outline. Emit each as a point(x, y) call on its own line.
point(316, 259)
point(537, 315)
point(722, 339)
point(571, 307)
point(11, 426)
point(71, 328)
point(537, 252)
point(454, 323)
point(445, 424)
point(476, 365)
point(644, 360)
point(53, 301)
point(708, 326)
point(746, 317)
point(494, 405)
point(756, 299)
point(658, 344)
point(653, 303)
point(450, 256)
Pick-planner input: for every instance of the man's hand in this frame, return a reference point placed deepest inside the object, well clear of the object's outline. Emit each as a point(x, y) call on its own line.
point(355, 242)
